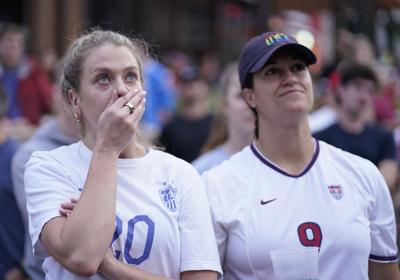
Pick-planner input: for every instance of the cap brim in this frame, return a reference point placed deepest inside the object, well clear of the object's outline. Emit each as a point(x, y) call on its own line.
point(305, 54)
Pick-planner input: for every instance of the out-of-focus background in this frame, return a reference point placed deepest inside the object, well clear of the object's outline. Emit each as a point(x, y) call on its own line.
point(193, 103)
point(220, 26)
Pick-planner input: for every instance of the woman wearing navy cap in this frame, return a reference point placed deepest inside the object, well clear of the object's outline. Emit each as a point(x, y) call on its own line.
point(289, 191)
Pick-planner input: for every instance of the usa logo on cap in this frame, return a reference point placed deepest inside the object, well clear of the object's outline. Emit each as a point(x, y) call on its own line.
point(336, 192)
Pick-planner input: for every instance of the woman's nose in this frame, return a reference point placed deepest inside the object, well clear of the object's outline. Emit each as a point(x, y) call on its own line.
point(121, 87)
point(290, 77)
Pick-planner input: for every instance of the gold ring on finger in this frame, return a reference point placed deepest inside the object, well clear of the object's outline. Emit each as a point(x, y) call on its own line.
point(130, 107)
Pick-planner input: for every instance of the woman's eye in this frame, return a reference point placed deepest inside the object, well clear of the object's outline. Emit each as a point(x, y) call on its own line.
point(132, 77)
point(271, 71)
point(299, 67)
point(103, 79)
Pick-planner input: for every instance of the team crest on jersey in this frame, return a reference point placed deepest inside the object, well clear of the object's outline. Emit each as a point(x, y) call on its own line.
point(336, 192)
point(167, 194)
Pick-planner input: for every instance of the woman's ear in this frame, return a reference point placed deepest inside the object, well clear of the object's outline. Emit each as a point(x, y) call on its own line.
point(74, 99)
point(248, 96)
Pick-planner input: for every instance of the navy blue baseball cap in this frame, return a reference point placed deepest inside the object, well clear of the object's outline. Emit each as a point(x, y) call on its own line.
point(259, 50)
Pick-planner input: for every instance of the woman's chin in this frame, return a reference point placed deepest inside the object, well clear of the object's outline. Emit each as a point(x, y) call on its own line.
point(299, 108)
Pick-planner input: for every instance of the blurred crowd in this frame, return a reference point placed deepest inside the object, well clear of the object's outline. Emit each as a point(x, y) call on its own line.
point(194, 110)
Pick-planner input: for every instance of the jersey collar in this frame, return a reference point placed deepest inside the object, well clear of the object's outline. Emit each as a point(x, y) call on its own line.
point(270, 164)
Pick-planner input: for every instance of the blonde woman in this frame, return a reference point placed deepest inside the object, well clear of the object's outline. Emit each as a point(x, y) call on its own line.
point(141, 213)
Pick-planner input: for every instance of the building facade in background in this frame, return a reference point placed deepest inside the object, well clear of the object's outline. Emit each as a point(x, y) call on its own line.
point(200, 26)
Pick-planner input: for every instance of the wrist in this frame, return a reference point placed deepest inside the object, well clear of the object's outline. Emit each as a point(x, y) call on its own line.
point(108, 266)
point(108, 153)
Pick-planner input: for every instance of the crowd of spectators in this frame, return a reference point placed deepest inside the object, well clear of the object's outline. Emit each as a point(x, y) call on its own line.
point(190, 104)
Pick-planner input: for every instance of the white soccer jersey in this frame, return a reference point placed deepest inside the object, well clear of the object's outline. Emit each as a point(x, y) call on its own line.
point(163, 222)
point(339, 203)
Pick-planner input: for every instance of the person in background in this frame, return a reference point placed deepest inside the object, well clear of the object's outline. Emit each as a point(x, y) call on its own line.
point(354, 131)
point(176, 60)
point(385, 102)
point(232, 128)
point(57, 131)
point(25, 83)
point(160, 98)
point(210, 66)
point(184, 135)
point(324, 115)
point(138, 213)
point(11, 226)
point(288, 190)
point(50, 62)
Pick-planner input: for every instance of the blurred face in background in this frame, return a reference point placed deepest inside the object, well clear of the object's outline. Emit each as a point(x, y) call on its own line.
point(193, 91)
point(11, 48)
point(356, 97)
point(364, 51)
point(239, 115)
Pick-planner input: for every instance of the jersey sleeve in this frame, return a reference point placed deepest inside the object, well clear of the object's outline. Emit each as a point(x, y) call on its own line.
point(198, 246)
point(47, 185)
point(216, 207)
point(382, 223)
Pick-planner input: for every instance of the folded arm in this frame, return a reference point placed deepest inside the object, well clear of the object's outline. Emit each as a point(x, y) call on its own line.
point(80, 242)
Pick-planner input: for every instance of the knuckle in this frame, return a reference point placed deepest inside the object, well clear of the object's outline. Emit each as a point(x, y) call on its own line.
point(113, 114)
point(126, 123)
point(120, 117)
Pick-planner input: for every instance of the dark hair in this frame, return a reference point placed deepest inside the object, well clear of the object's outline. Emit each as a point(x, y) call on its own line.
point(256, 130)
point(249, 84)
point(14, 28)
point(3, 103)
point(350, 71)
point(249, 81)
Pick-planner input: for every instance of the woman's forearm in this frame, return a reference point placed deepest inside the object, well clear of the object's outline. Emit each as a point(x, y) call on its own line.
point(111, 268)
point(88, 230)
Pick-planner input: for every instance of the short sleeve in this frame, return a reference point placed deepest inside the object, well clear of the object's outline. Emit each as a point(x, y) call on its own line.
point(198, 246)
point(217, 216)
point(382, 224)
point(47, 185)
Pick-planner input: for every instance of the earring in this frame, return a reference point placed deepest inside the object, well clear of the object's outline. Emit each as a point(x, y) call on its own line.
point(77, 117)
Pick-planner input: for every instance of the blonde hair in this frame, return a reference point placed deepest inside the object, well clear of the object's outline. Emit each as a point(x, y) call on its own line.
point(80, 49)
point(219, 127)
